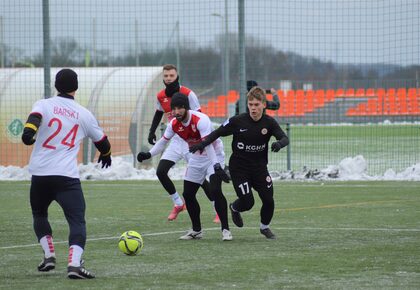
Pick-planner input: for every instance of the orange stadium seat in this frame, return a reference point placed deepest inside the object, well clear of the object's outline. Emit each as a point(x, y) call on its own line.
point(233, 96)
point(339, 93)
point(370, 92)
point(350, 93)
point(360, 93)
point(319, 98)
point(330, 95)
point(300, 103)
point(290, 102)
point(309, 101)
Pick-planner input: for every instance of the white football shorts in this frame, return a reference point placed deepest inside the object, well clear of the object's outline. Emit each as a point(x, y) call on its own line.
point(176, 150)
point(199, 166)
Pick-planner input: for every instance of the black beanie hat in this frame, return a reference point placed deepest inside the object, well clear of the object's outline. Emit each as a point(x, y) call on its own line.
point(66, 81)
point(180, 100)
point(250, 84)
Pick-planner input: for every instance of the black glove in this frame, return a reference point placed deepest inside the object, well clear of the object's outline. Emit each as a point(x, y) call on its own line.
point(227, 170)
point(106, 160)
point(151, 138)
point(197, 147)
point(218, 170)
point(276, 146)
point(143, 156)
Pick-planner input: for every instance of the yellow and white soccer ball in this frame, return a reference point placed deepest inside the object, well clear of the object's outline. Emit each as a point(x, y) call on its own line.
point(130, 243)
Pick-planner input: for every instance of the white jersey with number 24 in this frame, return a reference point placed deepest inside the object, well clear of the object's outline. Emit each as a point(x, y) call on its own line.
point(64, 125)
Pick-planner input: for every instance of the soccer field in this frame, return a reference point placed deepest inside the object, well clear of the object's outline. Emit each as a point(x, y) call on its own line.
point(331, 235)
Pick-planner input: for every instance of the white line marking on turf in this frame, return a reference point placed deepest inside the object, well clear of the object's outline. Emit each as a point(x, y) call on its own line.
point(213, 229)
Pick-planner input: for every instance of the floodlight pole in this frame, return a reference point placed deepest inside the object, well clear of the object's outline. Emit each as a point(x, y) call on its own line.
point(2, 46)
point(227, 77)
point(241, 44)
point(178, 43)
point(136, 42)
point(47, 48)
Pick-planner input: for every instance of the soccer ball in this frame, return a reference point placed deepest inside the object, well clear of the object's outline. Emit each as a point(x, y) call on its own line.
point(130, 243)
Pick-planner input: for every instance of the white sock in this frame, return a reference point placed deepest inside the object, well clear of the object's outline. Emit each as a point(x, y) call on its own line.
point(48, 246)
point(75, 255)
point(177, 199)
point(263, 226)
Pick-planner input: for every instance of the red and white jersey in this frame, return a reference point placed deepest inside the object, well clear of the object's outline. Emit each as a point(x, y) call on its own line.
point(193, 130)
point(163, 102)
point(64, 125)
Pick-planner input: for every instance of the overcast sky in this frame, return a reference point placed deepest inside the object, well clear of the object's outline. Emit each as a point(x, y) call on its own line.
point(346, 31)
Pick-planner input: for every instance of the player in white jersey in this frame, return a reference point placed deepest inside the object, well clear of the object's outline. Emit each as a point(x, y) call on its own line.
point(57, 126)
point(193, 126)
point(177, 148)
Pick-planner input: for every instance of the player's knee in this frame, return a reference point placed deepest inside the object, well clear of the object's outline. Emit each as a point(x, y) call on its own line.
point(40, 214)
point(248, 202)
point(187, 195)
point(161, 173)
point(268, 200)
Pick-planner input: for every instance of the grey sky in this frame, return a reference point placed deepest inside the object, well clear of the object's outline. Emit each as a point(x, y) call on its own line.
point(356, 31)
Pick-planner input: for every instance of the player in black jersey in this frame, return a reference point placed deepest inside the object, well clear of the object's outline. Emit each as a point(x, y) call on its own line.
point(248, 163)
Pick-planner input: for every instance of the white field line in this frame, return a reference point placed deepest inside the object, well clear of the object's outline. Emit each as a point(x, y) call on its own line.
point(249, 228)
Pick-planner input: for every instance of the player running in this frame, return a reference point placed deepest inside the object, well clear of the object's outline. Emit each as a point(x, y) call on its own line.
point(248, 163)
point(178, 148)
point(192, 127)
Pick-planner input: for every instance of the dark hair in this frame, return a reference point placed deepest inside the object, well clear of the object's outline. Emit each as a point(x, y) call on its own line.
point(180, 100)
point(250, 84)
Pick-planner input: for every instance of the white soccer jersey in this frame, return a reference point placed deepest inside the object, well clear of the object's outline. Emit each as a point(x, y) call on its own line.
point(163, 103)
point(197, 127)
point(64, 125)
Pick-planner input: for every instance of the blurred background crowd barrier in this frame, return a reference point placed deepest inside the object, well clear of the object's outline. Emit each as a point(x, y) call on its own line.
point(346, 72)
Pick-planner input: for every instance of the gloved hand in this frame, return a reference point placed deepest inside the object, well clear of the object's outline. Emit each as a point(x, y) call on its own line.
point(197, 147)
point(106, 160)
point(218, 170)
point(151, 138)
point(143, 156)
point(31, 141)
point(276, 146)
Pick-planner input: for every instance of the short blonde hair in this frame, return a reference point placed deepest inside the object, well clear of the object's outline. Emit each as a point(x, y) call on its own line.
point(257, 93)
point(169, 67)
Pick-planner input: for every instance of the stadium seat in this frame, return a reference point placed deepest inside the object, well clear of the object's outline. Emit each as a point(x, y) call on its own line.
point(300, 106)
point(350, 93)
point(330, 95)
point(309, 101)
point(370, 92)
point(221, 105)
point(360, 93)
point(339, 93)
point(283, 101)
point(232, 96)
point(319, 98)
point(290, 103)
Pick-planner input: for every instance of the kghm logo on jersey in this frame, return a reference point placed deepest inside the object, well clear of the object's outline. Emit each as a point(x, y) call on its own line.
point(180, 129)
point(165, 100)
point(250, 148)
point(193, 128)
point(264, 131)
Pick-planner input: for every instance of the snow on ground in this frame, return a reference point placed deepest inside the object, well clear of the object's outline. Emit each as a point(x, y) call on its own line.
point(350, 168)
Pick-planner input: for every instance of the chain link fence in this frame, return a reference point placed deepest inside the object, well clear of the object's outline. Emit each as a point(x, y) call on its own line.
point(346, 72)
